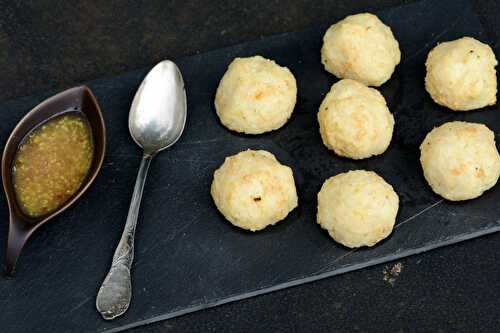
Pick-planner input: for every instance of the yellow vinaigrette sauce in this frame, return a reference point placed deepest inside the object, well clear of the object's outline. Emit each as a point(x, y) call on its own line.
point(52, 163)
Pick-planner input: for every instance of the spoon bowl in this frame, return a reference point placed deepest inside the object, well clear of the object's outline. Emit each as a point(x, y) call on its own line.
point(158, 112)
point(74, 100)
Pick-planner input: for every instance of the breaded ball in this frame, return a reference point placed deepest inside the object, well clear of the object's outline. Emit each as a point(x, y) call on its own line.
point(357, 208)
point(255, 95)
point(461, 74)
point(460, 160)
point(253, 190)
point(362, 48)
point(354, 120)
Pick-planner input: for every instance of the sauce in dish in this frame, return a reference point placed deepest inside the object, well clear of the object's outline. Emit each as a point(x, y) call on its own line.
point(52, 163)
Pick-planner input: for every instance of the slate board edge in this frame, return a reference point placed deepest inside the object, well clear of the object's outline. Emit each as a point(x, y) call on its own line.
point(309, 279)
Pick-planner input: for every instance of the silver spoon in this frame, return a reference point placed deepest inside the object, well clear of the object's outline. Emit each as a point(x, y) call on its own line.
point(156, 121)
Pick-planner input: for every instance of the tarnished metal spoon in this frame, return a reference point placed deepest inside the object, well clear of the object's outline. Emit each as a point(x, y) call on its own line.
point(156, 121)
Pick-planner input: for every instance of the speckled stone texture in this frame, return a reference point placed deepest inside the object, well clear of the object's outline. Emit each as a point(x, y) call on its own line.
point(47, 44)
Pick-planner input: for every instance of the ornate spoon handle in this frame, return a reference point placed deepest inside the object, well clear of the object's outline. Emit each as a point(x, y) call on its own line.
point(115, 293)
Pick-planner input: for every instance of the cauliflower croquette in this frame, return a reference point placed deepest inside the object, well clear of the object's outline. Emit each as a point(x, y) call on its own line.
point(357, 208)
point(461, 74)
point(354, 120)
point(460, 160)
point(255, 95)
point(253, 190)
point(362, 48)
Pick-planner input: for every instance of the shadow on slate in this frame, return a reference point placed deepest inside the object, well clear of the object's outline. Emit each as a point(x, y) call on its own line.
point(187, 256)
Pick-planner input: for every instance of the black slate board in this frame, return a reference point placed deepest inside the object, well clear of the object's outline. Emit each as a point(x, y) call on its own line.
point(187, 256)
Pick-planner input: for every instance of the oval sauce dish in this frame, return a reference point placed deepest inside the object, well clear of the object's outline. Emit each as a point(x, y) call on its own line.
point(50, 159)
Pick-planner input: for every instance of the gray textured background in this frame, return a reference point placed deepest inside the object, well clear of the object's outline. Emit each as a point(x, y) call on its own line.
point(48, 44)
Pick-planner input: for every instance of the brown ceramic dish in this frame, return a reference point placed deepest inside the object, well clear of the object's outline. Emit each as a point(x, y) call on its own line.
point(78, 99)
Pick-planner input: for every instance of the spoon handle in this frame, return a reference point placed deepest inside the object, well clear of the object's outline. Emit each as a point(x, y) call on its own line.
point(115, 293)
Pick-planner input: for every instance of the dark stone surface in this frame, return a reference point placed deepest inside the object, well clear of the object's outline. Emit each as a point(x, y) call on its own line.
point(56, 44)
